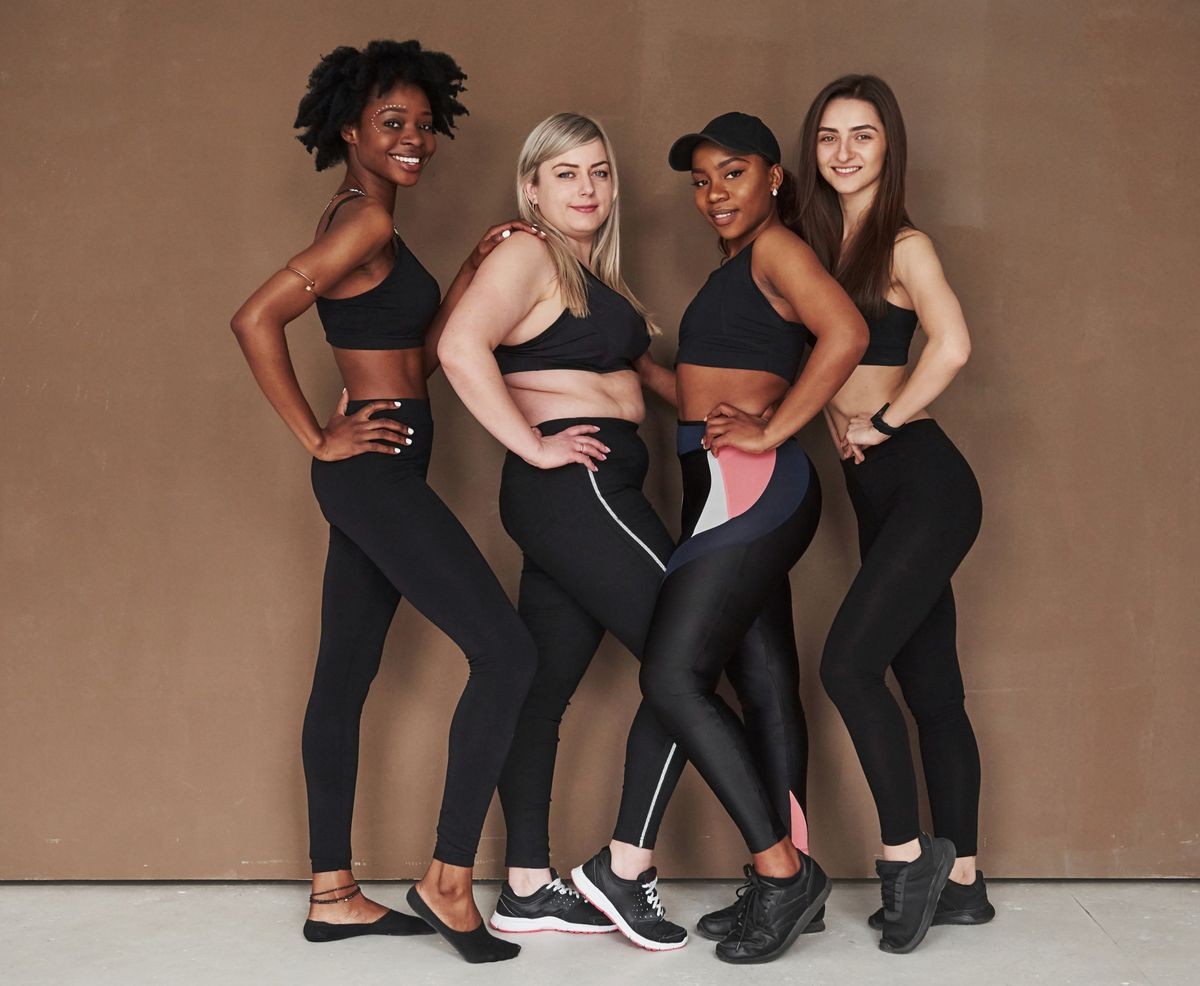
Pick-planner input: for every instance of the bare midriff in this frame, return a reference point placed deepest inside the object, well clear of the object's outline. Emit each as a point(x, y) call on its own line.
point(867, 390)
point(379, 373)
point(701, 388)
point(546, 395)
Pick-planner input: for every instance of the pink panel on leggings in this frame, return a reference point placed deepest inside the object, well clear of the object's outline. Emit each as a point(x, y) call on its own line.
point(799, 825)
point(746, 476)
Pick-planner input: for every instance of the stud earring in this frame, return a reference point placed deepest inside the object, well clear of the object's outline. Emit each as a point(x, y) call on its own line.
point(774, 192)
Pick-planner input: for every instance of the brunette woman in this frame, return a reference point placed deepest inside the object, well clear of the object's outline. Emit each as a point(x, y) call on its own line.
point(376, 111)
point(918, 510)
point(548, 349)
point(751, 506)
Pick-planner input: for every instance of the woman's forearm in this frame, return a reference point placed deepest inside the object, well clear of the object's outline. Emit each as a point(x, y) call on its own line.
point(433, 335)
point(828, 368)
point(939, 364)
point(265, 348)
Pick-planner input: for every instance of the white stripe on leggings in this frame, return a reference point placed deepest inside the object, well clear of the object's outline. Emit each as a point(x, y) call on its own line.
point(654, 800)
point(659, 563)
point(612, 514)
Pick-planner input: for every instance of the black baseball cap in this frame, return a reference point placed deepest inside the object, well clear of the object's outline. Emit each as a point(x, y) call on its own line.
point(737, 131)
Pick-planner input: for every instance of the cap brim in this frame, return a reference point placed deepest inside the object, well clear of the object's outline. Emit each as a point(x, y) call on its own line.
point(679, 156)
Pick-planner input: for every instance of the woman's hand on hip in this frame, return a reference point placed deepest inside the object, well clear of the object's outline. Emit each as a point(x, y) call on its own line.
point(573, 444)
point(347, 435)
point(726, 425)
point(860, 434)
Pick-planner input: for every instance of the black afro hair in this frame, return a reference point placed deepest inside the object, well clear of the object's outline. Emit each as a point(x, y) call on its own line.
point(346, 79)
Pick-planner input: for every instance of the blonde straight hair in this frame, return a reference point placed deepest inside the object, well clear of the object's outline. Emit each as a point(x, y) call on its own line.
point(551, 138)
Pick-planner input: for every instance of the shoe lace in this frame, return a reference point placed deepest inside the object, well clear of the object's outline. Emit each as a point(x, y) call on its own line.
point(749, 904)
point(557, 886)
point(891, 892)
point(651, 891)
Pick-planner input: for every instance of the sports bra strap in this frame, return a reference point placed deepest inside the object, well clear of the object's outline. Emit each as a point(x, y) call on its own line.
point(357, 193)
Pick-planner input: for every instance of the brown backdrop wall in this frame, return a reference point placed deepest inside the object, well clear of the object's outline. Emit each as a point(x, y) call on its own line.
point(162, 551)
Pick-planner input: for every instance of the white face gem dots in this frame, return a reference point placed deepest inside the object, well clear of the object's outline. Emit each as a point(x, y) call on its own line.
point(384, 109)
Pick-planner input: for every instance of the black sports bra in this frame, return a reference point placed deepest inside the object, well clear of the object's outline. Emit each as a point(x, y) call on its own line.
point(891, 335)
point(731, 324)
point(609, 338)
point(392, 315)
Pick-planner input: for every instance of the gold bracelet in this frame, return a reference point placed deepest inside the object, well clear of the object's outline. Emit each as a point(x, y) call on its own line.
point(311, 283)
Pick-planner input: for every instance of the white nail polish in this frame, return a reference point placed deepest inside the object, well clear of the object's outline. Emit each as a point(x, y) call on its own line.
point(506, 234)
point(395, 403)
point(395, 451)
point(408, 441)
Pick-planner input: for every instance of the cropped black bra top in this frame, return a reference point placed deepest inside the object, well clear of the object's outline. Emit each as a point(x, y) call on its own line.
point(392, 315)
point(609, 338)
point(891, 335)
point(731, 324)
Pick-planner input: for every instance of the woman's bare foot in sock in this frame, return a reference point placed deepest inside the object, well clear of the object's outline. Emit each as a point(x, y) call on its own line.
point(447, 891)
point(357, 910)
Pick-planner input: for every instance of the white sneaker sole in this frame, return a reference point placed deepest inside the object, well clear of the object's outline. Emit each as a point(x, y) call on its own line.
point(593, 896)
point(517, 926)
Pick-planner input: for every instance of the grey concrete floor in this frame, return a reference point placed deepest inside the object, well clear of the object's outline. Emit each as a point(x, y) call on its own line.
point(1087, 933)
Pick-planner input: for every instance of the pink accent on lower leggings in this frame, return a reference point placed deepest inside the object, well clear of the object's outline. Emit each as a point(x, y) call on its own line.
point(799, 825)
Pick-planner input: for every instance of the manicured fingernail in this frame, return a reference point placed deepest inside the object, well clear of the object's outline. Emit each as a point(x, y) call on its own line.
point(408, 441)
point(395, 403)
point(411, 432)
point(506, 234)
point(395, 451)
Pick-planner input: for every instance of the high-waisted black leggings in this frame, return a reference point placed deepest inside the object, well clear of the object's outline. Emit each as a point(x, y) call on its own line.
point(725, 605)
point(391, 536)
point(595, 552)
point(919, 511)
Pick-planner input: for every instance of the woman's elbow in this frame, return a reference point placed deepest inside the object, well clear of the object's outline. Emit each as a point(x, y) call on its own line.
point(452, 354)
point(956, 354)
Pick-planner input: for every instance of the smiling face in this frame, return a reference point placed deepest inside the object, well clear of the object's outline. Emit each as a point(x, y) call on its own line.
point(394, 137)
point(574, 190)
point(851, 146)
point(733, 190)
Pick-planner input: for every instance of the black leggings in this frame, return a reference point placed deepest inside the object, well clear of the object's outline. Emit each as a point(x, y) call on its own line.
point(390, 535)
point(919, 511)
point(725, 605)
point(595, 552)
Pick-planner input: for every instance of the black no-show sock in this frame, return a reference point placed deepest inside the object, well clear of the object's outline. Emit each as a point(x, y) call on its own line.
point(392, 923)
point(474, 946)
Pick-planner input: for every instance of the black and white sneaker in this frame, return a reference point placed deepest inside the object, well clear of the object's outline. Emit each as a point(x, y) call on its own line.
point(554, 907)
point(958, 903)
point(632, 905)
point(911, 892)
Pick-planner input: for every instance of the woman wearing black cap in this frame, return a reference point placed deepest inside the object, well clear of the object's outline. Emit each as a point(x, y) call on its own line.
point(751, 505)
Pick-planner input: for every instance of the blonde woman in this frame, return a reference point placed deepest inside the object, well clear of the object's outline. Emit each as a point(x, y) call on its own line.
point(548, 348)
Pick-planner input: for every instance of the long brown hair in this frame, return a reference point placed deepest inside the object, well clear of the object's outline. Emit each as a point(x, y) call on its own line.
point(864, 267)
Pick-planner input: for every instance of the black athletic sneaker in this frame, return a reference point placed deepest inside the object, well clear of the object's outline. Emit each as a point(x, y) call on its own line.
point(774, 914)
point(554, 907)
point(632, 905)
point(717, 925)
point(958, 904)
point(910, 893)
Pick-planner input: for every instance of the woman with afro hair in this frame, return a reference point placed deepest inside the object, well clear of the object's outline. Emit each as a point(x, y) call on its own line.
point(377, 111)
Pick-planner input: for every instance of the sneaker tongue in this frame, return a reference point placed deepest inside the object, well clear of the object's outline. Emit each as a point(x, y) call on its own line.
point(647, 875)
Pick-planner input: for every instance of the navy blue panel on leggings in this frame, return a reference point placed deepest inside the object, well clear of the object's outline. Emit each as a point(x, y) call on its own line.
point(747, 519)
point(391, 536)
